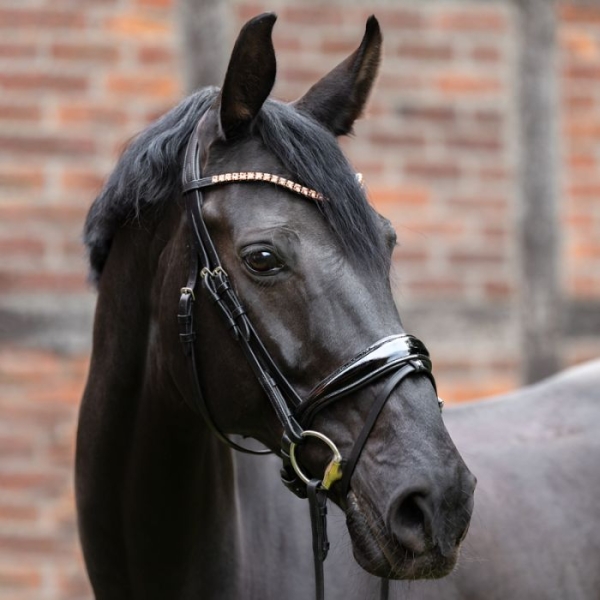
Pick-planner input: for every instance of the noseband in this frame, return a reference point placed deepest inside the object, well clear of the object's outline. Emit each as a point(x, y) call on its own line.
point(397, 357)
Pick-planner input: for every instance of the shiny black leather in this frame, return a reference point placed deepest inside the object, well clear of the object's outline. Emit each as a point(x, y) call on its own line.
point(383, 357)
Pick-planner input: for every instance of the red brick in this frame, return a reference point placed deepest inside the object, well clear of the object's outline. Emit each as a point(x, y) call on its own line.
point(164, 4)
point(487, 54)
point(498, 290)
point(305, 75)
point(482, 257)
point(136, 25)
point(42, 18)
point(396, 139)
point(311, 15)
point(156, 55)
point(47, 484)
point(41, 545)
point(62, 213)
point(432, 170)
point(21, 246)
point(582, 161)
point(585, 250)
point(467, 84)
point(489, 117)
point(413, 257)
point(43, 82)
point(20, 577)
point(399, 195)
point(47, 145)
point(43, 281)
point(15, 447)
point(494, 174)
point(142, 85)
point(424, 51)
point(397, 82)
point(86, 180)
point(19, 112)
point(435, 287)
point(474, 144)
point(585, 191)
point(402, 18)
point(584, 286)
point(21, 177)
point(478, 203)
point(333, 45)
point(579, 101)
point(15, 50)
point(434, 229)
point(472, 20)
point(86, 52)
point(15, 513)
point(583, 72)
point(437, 114)
point(584, 129)
point(580, 44)
point(248, 10)
point(579, 14)
point(463, 392)
point(91, 114)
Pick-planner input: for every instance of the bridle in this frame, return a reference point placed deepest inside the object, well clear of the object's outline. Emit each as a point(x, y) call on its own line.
point(396, 356)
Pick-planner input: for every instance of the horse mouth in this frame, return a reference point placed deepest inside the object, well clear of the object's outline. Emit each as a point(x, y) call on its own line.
point(379, 553)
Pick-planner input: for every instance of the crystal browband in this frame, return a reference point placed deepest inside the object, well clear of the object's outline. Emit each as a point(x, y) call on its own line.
point(302, 190)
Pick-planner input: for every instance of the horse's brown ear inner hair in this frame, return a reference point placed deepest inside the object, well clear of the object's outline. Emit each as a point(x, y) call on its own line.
point(250, 75)
point(339, 98)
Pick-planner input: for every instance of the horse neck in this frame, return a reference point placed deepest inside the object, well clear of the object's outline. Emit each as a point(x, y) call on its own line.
point(170, 484)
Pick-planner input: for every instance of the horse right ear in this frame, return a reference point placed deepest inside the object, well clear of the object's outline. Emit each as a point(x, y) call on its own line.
point(250, 75)
point(338, 99)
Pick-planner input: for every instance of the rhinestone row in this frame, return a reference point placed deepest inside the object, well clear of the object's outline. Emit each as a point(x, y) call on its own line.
point(268, 177)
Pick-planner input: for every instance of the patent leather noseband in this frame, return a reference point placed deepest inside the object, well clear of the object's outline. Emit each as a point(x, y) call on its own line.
point(394, 357)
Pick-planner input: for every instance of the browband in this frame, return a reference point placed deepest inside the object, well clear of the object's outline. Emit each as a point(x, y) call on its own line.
point(288, 184)
point(196, 184)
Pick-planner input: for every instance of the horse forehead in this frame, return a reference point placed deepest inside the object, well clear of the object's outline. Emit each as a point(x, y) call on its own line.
point(247, 206)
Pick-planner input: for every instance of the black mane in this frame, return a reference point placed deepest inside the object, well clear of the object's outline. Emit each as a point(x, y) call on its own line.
point(149, 173)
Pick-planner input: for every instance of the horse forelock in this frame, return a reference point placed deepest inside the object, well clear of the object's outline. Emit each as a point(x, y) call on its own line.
point(148, 174)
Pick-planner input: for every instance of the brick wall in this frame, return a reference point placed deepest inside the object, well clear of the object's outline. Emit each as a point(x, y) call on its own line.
point(77, 79)
point(579, 39)
point(437, 148)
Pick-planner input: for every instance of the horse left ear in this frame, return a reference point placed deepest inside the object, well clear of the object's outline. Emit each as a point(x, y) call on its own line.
point(337, 100)
point(250, 75)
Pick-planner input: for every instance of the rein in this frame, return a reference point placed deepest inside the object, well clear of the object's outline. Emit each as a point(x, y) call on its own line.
point(397, 356)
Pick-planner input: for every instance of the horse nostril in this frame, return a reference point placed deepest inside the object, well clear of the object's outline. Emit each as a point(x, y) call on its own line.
point(411, 522)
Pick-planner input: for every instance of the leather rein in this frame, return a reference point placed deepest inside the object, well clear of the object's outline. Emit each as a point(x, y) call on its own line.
point(396, 356)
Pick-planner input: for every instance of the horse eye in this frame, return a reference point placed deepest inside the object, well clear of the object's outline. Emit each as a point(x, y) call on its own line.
point(263, 261)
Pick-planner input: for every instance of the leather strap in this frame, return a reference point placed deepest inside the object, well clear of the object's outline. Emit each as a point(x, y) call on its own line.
point(317, 503)
point(376, 408)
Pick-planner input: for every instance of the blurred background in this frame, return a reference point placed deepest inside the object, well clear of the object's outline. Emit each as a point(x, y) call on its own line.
point(481, 143)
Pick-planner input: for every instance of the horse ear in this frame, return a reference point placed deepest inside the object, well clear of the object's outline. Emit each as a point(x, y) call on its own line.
point(337, 100)
point(250, 75)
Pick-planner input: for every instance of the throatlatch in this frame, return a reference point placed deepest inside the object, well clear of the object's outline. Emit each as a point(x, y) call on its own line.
point(396, 356)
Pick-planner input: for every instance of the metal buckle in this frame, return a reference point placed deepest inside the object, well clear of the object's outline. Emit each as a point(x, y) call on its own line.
point(187, 290)
point(333, 472)
point(205, 272)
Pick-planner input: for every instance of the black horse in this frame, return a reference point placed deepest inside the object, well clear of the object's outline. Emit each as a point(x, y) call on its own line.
point(166, 509)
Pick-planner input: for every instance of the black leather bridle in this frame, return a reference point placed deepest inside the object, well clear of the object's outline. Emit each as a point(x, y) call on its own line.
point(395, 356)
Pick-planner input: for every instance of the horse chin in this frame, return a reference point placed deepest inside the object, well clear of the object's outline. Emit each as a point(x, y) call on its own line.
point(378, 553)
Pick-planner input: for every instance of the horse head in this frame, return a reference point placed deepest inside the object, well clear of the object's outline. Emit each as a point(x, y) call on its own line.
point(309, 259)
